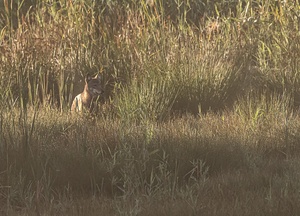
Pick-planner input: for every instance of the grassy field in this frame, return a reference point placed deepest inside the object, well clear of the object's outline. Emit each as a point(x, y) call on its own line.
point(200, 114)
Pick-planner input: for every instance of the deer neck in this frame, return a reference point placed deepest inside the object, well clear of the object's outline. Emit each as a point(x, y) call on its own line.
point(86, 96)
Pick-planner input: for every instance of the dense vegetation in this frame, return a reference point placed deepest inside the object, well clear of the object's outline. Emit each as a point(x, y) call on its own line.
point(199, 117)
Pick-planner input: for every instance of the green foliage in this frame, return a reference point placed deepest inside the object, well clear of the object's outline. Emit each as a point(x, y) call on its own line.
point(149, 99)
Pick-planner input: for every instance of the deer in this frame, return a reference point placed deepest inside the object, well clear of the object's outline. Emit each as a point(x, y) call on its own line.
point(86, 100)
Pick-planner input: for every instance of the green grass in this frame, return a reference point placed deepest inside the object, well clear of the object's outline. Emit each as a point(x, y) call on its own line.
point(199, 117)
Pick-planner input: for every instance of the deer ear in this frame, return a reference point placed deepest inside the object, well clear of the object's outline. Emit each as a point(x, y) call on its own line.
point(88, 77)
point(97, 77)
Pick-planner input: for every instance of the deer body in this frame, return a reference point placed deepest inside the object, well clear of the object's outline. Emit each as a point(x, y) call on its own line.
point(86, 99)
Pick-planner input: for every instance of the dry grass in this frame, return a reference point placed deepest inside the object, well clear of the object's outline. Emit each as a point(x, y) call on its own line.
point(214, 164)
point(200, 114)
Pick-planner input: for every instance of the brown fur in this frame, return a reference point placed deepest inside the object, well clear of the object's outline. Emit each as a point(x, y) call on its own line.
point(86, 99)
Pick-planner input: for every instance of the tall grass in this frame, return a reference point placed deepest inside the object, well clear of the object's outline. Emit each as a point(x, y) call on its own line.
point(53, 45)
point(199, 116)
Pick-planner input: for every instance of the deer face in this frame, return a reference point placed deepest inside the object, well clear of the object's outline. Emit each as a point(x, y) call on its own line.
point(93, 85)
